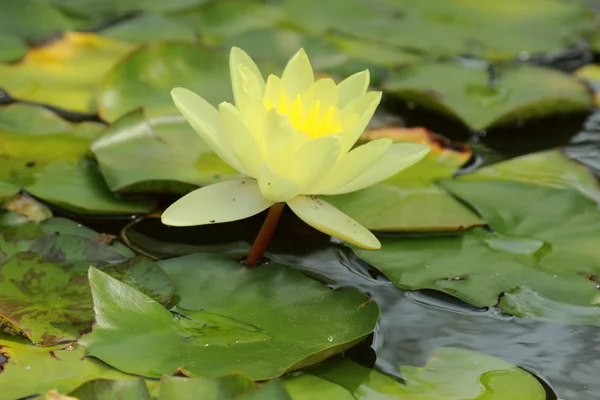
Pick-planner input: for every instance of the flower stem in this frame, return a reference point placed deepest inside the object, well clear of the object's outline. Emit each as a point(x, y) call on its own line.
point(264, 235)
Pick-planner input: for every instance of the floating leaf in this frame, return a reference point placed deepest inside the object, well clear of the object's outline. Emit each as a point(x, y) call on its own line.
point(7, 190)
point(411, 201)
point(467, 94)
point(260, 323)
point(162, 155)
point(64, 73)
point(32, 137)
point(493, 29)
point(11, 48)
point(32, 19)
point(148, 28)
point(547, 168)
point(81, 189)
point(450, 374)
point(545, 240)
point(43, 291)
point(32, 370)
point(145, 78)
point(104, 389)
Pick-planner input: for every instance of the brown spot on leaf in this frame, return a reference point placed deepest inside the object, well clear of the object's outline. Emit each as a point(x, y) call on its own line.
point(106, 239)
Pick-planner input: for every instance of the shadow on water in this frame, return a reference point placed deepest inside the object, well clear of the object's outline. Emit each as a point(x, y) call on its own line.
point(562, 357)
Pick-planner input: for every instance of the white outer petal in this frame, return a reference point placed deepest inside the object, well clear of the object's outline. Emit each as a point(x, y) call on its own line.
point(221, 202)
point(360, 111)
point(205, 120)
point(352, 165)
point(326, 218)
point(353, 87)
point(313, 160)
point(239, 57)
point(398, 157)
point(298, 74)
point(275, 187)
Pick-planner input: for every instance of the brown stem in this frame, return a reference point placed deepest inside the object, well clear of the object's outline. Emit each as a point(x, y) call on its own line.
point(264, 235)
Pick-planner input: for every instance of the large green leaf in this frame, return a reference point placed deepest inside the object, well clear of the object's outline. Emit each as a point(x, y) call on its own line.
point(145, 78)
point(11, 48)
point(31, 370)
point(547, 168)
point(544, 240)
point(43, 291)
point(104, 389)
point(260, 323)
point(32, 19)
point(492, 29)
point(466, 94)
point(411, 200)
point(64, 73)
point(162, 155)
point(450, 374)
point(147, 28)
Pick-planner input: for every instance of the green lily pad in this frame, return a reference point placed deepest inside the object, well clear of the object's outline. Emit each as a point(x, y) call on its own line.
point(31, 370)
point(545, 240)
point(43, 291)
point(259, 323)
point(64, 73)
point(81, 189)
point(161, 155)
point(411, 201)
point(33, 19)
point(33, 137)
point(493, 30)
point(146, 76)
point(547, 168)
point(466, 94)
point(450, 374)
point(148, 28)
point(104, 389)
point(7, 191)
point(11, 48)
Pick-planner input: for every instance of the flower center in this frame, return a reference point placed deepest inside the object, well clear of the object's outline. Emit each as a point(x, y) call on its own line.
point(315, 122)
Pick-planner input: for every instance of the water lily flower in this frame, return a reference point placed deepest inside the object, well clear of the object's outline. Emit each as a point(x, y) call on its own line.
point(292, 137)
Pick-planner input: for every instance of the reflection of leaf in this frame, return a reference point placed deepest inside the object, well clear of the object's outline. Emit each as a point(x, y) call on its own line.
point(32, 370)
point(44, 292)
point(259, 323)
point(411, 201)
point(465, 94)
point(450, 374)
point(546, 240)
point(161, 155)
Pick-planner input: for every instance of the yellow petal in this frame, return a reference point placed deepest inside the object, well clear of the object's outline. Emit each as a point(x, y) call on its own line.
point(205, 120)
point(324, 91)
point(298, 74)
point(352, 165)
point(312, 161)
point(250, 99)
point(275, 92)
point(238, 57)
point(242, 141)
point(353, 87)
point(326, 218)
point(275, 187)
point(398, 157)
point(222, 202)
point(360, 111)
point(280, 140)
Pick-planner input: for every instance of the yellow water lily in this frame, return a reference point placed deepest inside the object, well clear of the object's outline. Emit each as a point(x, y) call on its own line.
point(292, 137)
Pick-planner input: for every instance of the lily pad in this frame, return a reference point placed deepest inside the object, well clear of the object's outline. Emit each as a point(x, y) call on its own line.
point(544, 240)
point(493, 30)
point(145, 77)
point(148, 28)
point(33, 19)
point(411, 201)
point(104, 389)
point(81, 189)
point(43, 291)
point(450, 374)
point(32, 370)
point(163, 154)
point(260, 323)
point(7, 191)
point(550, 168)
point(468, 95)
point(64, 73)
point(11, 48)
